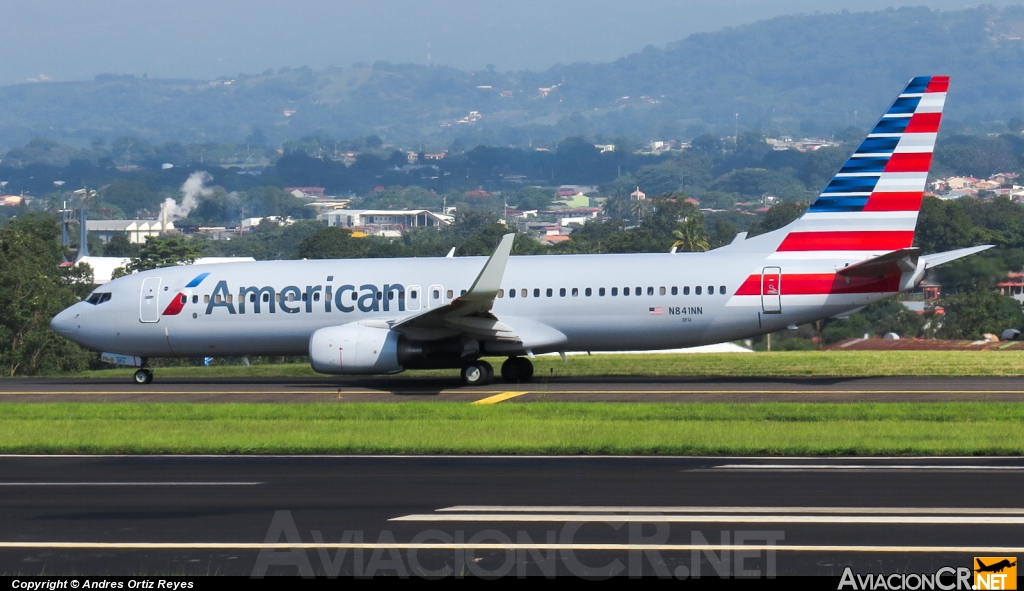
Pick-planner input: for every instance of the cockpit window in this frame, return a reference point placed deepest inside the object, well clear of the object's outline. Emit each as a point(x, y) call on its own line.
point(96, 298)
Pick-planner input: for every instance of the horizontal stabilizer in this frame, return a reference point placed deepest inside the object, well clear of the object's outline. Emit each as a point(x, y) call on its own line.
point(934, 260)
point(893, 263)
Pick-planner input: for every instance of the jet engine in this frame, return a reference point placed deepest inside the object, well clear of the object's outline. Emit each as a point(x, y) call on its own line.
point(355, 349)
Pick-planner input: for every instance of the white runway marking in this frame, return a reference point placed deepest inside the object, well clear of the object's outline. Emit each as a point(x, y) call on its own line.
point(809, 510)
point(893, 467)
point(130, 483)
point(698, 518)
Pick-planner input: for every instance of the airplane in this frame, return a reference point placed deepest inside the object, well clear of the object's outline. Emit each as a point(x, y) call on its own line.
point(996, 567)
point(852, 247)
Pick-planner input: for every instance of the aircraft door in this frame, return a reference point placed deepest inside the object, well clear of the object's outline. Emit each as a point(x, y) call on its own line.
point(771, 290)
point(149, 302)
point(435, 295)
point(414, 295)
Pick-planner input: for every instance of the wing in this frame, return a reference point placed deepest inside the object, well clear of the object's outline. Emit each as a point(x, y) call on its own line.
point(470, 315)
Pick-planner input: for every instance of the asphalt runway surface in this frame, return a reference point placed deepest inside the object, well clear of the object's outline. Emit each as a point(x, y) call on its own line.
point(486, 516)
point(377, 389)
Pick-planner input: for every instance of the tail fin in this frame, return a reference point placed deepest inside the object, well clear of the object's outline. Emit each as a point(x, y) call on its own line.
point(872, 202)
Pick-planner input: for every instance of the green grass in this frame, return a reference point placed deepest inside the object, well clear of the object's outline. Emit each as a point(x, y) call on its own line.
point(969, 428)
point(778, 364)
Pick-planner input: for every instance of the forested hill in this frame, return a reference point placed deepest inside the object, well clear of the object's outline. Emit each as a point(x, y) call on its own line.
point(803, 74)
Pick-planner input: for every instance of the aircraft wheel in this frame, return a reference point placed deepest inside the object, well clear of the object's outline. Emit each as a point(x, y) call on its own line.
point(511, 371)
point(143, 376)
point(525, 368)
point(475, 373)
point(490, 371)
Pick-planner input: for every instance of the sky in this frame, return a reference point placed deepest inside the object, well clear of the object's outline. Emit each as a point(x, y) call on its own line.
point(206, 39)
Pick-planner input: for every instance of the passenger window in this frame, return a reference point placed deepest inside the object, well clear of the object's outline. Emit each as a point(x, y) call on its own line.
point(661, 291)
point(266, 297)
point(561, 292)
point(625, 291)
point(600, 292)
point(550, 292)
point(675, 290)
point(696, 290)
point(686, 290)
point(711, 290)
point(252, 297)
point(588, 292)
point(511, 293)
point(413, 294)
point(639, 291)
point(391, 295)
point(536, 292)
point(721, 290)
point(575, 292)
point(615, 291)
point(524, 292)
point(650, 290)
point(462, 293)
point(501, 293)
point(437, 294)
point(450, 293)
point(316, 296)
point(218, 299)
point(195, 299)
point(183, 299)
point(206, 299)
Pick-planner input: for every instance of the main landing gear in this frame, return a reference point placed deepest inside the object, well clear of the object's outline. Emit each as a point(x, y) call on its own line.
point(514, 370)
point(143, 376)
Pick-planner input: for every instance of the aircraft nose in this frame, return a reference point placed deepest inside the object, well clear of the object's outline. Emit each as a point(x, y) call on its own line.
point(65, 323)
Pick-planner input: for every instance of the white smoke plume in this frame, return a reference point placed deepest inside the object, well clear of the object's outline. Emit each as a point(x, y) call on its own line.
point(191, 190)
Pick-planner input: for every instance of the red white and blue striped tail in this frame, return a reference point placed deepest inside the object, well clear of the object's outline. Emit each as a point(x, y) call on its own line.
point(872, 202)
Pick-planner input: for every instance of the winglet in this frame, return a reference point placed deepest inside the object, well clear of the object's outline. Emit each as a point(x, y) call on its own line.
point(489, 280)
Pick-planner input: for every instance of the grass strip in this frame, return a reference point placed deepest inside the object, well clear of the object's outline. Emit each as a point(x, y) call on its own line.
point(777, 364)
point(957, 428)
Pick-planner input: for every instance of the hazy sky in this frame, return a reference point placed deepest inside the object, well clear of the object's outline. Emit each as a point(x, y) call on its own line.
point(77, 39)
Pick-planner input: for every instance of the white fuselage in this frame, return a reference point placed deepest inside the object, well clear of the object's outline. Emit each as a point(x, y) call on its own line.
point(674, 300)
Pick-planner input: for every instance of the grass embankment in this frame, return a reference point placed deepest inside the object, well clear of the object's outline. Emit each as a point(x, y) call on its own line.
point(777, 364)
point(544, 428)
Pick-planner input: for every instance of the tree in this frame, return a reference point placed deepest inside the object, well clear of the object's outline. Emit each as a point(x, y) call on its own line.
point(33, 289)
point(692, 236)
point(970, 314)
point(162, 252)
point(333, 243)
point(777, 216)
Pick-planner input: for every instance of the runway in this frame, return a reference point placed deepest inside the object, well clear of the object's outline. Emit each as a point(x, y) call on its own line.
point(607, 389)
point(437, 516)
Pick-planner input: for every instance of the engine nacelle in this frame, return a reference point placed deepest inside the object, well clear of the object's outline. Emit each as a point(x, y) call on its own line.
point(354, 349)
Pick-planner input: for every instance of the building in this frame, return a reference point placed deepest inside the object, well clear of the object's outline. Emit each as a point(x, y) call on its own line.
point(136, 230)
point(384, 222)
point(307, 192)
point(1013, 286)
point(637, 195)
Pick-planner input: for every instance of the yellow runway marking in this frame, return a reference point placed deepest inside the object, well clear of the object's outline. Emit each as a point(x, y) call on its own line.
point(989, 550)
point(491, 393)
point(499, 397)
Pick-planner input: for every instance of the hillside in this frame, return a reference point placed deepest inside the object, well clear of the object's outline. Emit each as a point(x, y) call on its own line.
point(803, 74)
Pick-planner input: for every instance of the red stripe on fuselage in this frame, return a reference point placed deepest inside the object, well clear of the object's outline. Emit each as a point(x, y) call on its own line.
point(909, 162)
point(174, 308)
point(863, 240)
point(938, 84)
point(894, 201)
point(823, 284)
point(924, 123)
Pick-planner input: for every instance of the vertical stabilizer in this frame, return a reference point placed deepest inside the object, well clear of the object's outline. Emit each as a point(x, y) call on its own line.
point(872, 202)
